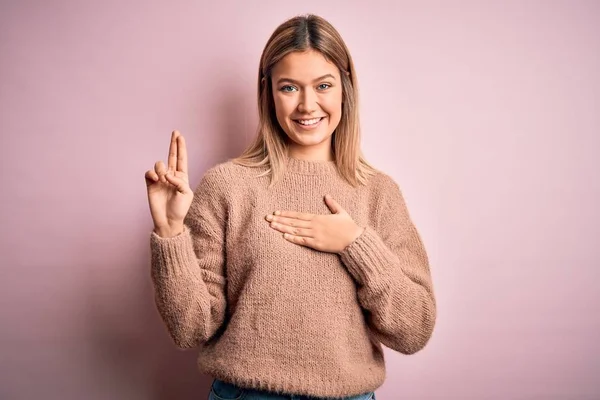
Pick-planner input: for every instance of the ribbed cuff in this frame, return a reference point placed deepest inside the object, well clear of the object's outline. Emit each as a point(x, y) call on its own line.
point(368, 258)
point(172, 256)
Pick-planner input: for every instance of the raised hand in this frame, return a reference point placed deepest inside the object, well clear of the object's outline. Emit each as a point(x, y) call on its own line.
point(169, 192)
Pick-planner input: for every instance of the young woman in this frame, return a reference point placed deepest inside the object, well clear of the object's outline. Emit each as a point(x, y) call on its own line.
point(290, 266)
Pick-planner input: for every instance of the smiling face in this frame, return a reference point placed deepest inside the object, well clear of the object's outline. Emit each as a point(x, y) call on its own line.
point(307, 91)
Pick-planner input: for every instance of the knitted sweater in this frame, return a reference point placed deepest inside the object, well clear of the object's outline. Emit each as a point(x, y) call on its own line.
point(273, 315)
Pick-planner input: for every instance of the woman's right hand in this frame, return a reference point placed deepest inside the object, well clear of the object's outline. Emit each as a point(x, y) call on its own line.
point(169, 192)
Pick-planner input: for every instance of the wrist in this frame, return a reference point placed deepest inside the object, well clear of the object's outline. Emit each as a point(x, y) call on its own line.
point(357, 232)
point(169, 231)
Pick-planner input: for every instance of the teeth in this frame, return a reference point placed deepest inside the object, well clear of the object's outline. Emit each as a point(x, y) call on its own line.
point(309, 121)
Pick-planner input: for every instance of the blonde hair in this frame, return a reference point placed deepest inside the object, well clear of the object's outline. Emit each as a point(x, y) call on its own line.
point(269, 148)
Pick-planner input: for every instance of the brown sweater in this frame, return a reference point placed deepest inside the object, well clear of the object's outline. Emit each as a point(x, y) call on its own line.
point(273, 315)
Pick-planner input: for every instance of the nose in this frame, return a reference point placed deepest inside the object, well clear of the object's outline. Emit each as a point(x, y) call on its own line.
point(308, 102)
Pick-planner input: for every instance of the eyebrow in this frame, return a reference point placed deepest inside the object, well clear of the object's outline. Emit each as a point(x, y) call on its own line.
point(296, 82)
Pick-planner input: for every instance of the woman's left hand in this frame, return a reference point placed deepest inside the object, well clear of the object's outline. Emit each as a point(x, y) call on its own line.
point(329, 233)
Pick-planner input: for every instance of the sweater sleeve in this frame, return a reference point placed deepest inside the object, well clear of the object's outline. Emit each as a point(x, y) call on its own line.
point(391, 267)
point(188, 270)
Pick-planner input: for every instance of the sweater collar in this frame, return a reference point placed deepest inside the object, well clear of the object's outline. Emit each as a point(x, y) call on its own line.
point(308, 167)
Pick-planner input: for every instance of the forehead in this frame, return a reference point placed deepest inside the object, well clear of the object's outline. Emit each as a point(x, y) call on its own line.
point(304, 66)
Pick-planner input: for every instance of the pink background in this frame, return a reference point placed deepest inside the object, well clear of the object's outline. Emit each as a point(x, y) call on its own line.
point(485, 112)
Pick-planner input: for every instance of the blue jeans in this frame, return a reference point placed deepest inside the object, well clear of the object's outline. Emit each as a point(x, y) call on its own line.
point(221, 390)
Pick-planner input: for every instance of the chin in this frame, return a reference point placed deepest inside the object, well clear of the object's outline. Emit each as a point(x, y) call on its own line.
point(309, 138)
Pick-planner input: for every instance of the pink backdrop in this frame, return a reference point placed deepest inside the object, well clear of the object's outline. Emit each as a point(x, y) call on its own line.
point(485, 112)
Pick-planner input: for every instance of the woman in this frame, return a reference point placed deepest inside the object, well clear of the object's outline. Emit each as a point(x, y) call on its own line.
point(291, 265)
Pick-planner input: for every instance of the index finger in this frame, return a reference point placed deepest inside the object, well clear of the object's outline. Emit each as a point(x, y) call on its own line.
point(295, 214)
point(182, 162)
point(172, 160)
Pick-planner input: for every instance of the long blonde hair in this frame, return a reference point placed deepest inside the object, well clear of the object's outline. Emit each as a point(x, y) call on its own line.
point(269, 148)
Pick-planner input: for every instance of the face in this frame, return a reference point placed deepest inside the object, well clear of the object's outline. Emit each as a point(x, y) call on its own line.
point(307, 90)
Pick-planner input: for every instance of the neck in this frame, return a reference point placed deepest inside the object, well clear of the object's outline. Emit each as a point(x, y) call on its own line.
point(311, 153)
point(310, 167)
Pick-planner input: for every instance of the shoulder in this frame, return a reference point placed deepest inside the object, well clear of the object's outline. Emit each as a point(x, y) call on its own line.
point(222, 172)
point(385, 196)
point(225, 176)
point(383, 185)
point(388, 208)
point(213, 193)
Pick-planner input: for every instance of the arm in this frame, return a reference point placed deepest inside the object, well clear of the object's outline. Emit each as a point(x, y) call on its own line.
point(392, 269)
point(188, 270)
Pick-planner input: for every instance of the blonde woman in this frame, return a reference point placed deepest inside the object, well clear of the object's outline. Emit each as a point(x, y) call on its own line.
point(290, 266)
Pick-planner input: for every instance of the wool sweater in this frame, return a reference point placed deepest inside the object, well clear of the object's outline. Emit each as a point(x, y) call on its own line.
point(269, 314)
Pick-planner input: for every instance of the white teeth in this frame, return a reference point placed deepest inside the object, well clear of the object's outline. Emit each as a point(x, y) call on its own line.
point(309, 121)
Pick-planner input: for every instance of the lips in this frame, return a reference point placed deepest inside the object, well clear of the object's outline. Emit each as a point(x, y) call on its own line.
point(308, 121)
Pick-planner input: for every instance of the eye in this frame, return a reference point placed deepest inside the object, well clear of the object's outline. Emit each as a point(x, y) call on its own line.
point(324, 86)
point(287, 88)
